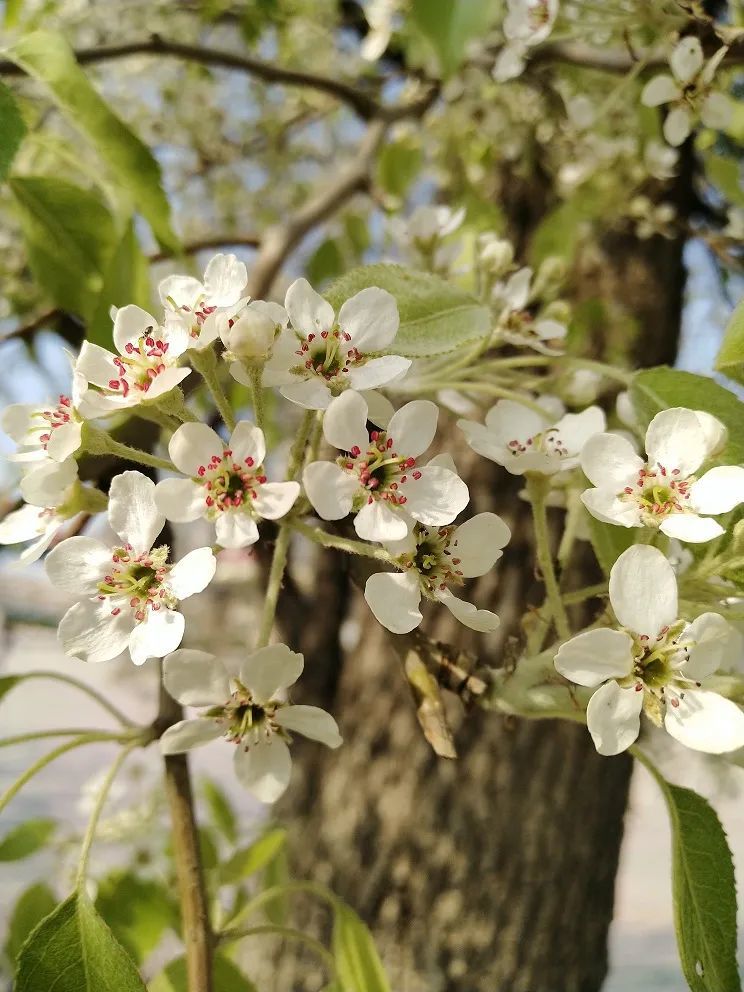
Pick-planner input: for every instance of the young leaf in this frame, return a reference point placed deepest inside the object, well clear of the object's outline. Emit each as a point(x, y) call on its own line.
point(12, 130)
point(138, 910)
point(26, 839)
point(72, 950)
point(609, 541)
point(125, 280)
point(223, 815)
point(31, 907)
point(435, 316)
point(226, 977)
point(252, 859)
point(730, 358)
point(357, 962)
point(48, 57)
point(449, 25)
point(276, 873)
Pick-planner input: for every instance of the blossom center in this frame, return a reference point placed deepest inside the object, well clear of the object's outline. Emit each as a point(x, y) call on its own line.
point(658, 493)
point(381, 471)
point(244, 719)
point(433, 560)
point(228, 484)
point(196, 314)
point(53, 418)
point(140, 364)
point(547, 442)
point(139, 581)
point(658, 670)
point(329, 356)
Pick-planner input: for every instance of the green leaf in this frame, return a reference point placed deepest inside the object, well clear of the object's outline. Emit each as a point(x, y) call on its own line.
point(704, 891)
point(562, 229)
point(398, 165)
point(221, 810)
point(725, 173)
point(138, 910)
point(31, 907)
point(326, 262)
point(226, 976)
point(609, 541)
point(435, 316)
point(730, 358)
point(26, 839)
point(12, 12)
point(276, 873)
point(72, 950)
point(7, 682)
point(449, 25)
point(253, 858)
point(12, 129)
point(125, 280)
point(660, 388)
point(69, 234)
point(358, 964)
point(48, 57)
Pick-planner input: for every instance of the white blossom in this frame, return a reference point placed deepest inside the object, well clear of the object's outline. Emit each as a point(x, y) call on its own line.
point(50, 430)
point(524, 440)
point(248, 334)
point(226, 483)
point(49, 503)
point(377, 477)
point(322, 355)
point(426, 230)
point(130, 593)
point(196, 305)
point(243, 707)
point(436, 560)
point(522, 323)
point(527, 23)
point(654, 662)
point(663, 490)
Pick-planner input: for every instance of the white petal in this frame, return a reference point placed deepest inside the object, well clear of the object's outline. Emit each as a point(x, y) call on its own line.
point(444, 460)
point(192, 573)
point(159, 633)
point(183, 291)
point(371, 318)
point(576, 429)
point(96, 364)
point(236, 529)
point(311, 722)
point(378, 372)
point(89, 632)
point(47, 485)
point(706, 722)
point(283, 358)
point(660, 89)
point(240, 374)
point(677, 126)
point(484, 441)
point(509, 63)
point(712, 644)
point(186, 734)
point(687, 59)
point(394, 599)
point(78, 565)
point(23, 525)
point(247, 441)
point(610, 462)
point(376, 521)
point(132, 512)
point(345, 422)
point(131, 323)
point(676, 440)
point(180, 500)
point(310, 393)
point(224, 280)
point(308, 312)
point(379, 408)
point(65, 440)
point(436, 497)
point(516, 292)
point(478, 543)
point(18, 422)
point(596, 656)
point(719, 490)
point(717, 111)
point(643, 590)
point(507, 420)
point(330, 490)
point(413, 427)
point(715, 432)
point(195, 678)
point(481, 620)
point(264, 768)
point(274, 499)
point(193, 445)
point(607, 507)
point(691, 528)
point(613, 717)
point(270, 669)
point(34, 551)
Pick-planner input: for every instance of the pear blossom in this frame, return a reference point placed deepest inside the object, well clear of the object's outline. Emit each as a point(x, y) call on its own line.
point(50, 430)
point(226, 483)
point(49, 503)
point(653, 662)
point(425, 232)
point(130, 592)
point(145, 369)
point(688, 91)
point(243, 707)
point(527, 23)
point(663, 490)
point(524, 440)
point(434, 560)
point(520, 320)
point(322, 355)
point(377, 477)
point(248, 334)
point(196, 305)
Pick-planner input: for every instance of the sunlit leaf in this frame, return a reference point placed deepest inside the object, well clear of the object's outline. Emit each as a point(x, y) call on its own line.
point(138, 910)
point(730, 358)
point(253, 858)
point(226, 977)
point(221, 810)
point(125, 280)
point(26, 839)
point(449, 25)
point(357, 962)
point(33, 904)
point(12, 129)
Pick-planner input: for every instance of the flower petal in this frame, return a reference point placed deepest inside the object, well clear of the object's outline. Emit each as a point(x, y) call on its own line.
point(264, 768)
point(192, 446)
point(96, 364)
point(659, 90)
point(159, 633)
point(607, 507)
point(345, 422)
point(643, 590)
point(186, 734)
point(595, 656)
point(78, 565)
point(181, 291)
point(371, 319)
point(330, 490)
point(19, 423)
point(436, 497)
point(47, 485)
point(247, 441)
point(132, 511)
point(613, 718)
point(712, 644)
point(468, 614)
point(236, 529)
point(379, 408)
point(676, 440)
point(575, 429)
point(412, 428)
point(717, 111)
point(180, 500)
point(478, 543)
point(687, 59)
point(394, 599)
point(274, 499)
point(65, 440)
point(376, 521)
point(310, 393)
point(719, 490)
point(610, 462)
point(270, 669)
point(22, 525)
point(192, 573)
point(691, 528)
point(195, 678)
point(89, 632)
point(705, 721)
point(379, 372)
point(677, 126)
point(130, 324)
point(311, 722)
point(224, 280)
point(308, 312)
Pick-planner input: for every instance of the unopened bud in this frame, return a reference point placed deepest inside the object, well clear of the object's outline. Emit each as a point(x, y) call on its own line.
point(581, 387)
point(550, 276)
point(250, 336)
point(496, 256)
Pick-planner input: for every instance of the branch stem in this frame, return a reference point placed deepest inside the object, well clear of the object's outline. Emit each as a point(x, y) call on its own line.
point(205, 363)
point(537, 487)
point(326, 540)
point(98, 442)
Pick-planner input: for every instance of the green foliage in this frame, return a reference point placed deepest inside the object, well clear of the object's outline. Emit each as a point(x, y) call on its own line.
point(435, 316)
point(725, 173)
point(7, 682)
point(33, 904)
point(48, 57)
point(609, 541)
point(449, 25)
point(561, 230)
point(730, 358)
point(658, 389)
point(253, 858)
point(26, 839)
point(125, 280)
point(221, 810)
point(227, 977)
point(358, 964)
point(326, 262)
point(138, 910)
point(12, 129)
point(276, 873)
point(68, 233)
point(72, 950)
point(398, 165)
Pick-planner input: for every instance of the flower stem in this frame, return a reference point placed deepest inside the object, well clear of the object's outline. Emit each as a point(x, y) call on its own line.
point(39, 735)
point(255, 371)
point(276, 892)
point(288, 933)
point(327, 540)
point(88, 690)
point(205, 363)
point(537, 489)
point(97, 810)
point(97, 442)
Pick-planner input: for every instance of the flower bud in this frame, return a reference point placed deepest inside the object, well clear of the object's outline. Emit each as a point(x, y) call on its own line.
point(496, 256)
point(581, 387)
point(250, 336)
point(550, 276)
